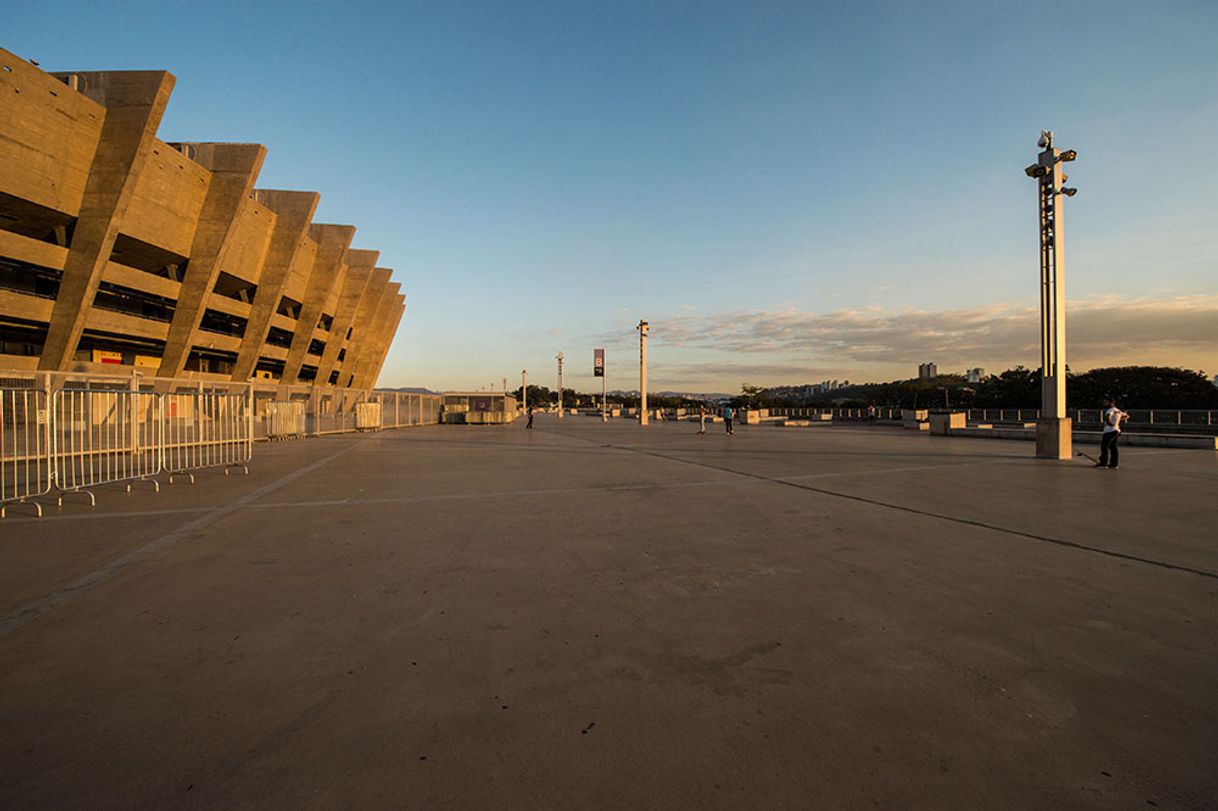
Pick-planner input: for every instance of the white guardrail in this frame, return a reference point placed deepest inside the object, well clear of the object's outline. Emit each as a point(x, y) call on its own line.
point(76, 439)
point(368, 417)
point(105, 436)
point(206, 429)
point(285, 419)
point(26, 466)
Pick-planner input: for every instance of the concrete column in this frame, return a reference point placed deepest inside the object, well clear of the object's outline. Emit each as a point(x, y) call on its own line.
point(370, 347)
point(135, 101)
point(234, 169)
point(386, 340)
point(326, 276)
point(359, 272)
point(361, 327)
point(294, 211)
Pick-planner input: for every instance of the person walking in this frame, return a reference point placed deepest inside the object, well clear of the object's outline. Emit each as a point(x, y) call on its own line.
point(530, 423)
point(871, 413)
point(702, 419)
point(1113, 417)
point(727, 418)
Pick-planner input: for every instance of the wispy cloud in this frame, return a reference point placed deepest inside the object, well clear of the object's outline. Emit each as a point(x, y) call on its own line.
point(877, 334)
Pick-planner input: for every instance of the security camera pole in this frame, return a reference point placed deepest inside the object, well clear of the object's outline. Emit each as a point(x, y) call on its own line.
point(1054, 431)
point(558, 357)
point(524, 390)
point(642, 328)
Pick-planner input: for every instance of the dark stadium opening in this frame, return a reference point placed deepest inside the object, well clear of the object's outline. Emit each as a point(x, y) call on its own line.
point(32, 280)
point(35, 221)
point(222, 323)
point(129, 301)
point(149, 258)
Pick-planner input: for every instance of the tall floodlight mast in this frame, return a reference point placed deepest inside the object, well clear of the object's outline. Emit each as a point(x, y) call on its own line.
point(642, 328)
point(558, 358)
point(1054, 431)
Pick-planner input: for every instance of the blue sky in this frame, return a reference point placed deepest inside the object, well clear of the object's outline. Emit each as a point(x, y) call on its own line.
point(787, 191)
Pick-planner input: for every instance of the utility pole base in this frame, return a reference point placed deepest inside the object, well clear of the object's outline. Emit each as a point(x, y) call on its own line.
point(1054, 438)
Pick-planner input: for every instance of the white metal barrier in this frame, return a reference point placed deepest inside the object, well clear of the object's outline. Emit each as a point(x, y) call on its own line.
point(285, 419)
point(27, 468)
point(104, 436)
point(368, 417)
point(207, 429)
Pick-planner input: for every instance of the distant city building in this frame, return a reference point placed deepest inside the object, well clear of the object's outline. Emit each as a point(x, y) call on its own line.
point(927, 371)
point(975, 375)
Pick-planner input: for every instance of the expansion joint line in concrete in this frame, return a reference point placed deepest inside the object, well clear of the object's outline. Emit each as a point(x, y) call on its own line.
point(24, 614)
point(1162, 564)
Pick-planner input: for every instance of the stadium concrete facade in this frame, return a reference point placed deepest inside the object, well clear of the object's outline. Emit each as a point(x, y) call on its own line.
point(119, 249)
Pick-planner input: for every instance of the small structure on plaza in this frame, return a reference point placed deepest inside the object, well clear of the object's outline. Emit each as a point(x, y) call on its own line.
point(478, 408)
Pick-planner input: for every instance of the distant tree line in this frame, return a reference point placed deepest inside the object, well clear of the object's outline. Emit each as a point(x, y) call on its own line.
point(1133, 386)
point(543, 395)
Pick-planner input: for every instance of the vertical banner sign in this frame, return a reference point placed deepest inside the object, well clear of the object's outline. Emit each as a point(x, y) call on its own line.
point(598, 363)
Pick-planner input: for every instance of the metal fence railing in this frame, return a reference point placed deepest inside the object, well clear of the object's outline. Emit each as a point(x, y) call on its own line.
point(334, 411)
point(1183, 418)
point(74, 431)
point(368, 416)
point(104, 436)
point(284, 419)
point(847, 414)
point(1164, 417)
point(26, 464)
point(207, 429)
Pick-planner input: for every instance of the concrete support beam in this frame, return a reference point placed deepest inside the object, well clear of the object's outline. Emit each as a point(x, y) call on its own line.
point(359, 272)
point(365, 315)
point(369, 350)
point(135, 101)
point(234, 169)
point(294, 211)
point(327, 274)
point(373, 373)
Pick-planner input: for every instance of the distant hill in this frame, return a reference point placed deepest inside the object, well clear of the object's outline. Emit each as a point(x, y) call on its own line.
point(413, 390)
point(688, 395)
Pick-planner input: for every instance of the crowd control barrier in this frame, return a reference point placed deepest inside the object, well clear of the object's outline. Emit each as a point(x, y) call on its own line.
point(207, 429)
point(26, 465)
point(368, 417)
point(65, 433)
point(285, 419)
point(105, 436)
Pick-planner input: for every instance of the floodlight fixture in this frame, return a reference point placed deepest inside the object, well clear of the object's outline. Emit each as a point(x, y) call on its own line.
point(1068, 155)
point(1069, 192)
point(1036, 170)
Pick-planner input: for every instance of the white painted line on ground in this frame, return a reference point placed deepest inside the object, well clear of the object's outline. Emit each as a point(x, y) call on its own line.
point(26, 613)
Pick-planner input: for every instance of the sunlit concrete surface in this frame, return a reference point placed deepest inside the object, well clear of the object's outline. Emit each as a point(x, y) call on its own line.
point(592, 615)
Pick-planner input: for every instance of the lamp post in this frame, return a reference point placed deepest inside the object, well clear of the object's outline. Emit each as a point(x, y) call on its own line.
point(524, 390)
point(643, 327)
point(1054, 431)
point(558, 358)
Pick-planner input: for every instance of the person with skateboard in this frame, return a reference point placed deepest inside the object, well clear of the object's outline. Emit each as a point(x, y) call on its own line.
point(727, 418)
point(1113, 417)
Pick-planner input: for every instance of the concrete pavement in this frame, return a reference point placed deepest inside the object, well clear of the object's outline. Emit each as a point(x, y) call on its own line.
point(594, 615)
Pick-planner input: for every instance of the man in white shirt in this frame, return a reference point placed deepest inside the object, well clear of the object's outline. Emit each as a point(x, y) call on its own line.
point(1113, 417)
